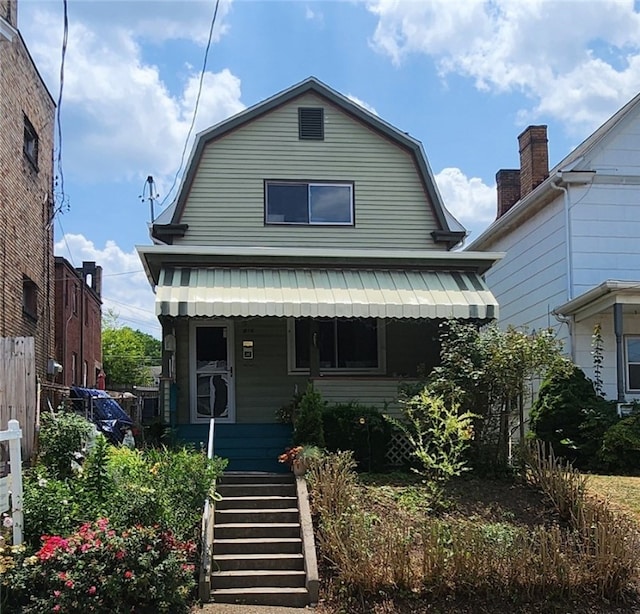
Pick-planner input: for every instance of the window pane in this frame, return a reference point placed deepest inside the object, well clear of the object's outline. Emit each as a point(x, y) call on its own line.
point(633, 349)
point(330, 204)
point(302, 344)
point(634, 377)
point(357, 344)
point(211, 347)
point(287, 204)
point(326, 343)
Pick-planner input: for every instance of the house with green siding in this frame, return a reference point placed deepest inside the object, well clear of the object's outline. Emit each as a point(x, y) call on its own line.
point(308, 242)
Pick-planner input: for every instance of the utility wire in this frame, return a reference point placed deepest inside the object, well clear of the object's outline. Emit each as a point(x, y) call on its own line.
point(195, 109)
point(65, 36)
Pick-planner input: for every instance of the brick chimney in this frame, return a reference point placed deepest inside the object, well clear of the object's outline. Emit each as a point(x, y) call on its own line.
point(9, 12)
point(534, 158)
point(92, 276)
point(508, 187)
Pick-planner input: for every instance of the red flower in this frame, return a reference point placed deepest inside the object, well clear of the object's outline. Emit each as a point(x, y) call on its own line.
point(128, 574)
point(69, 583)
point(92, 590)
point(120, 555)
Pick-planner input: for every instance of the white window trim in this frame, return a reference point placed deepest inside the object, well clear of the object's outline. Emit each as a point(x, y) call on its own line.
point(627, 363)
point(309, 185)
point(193, 401)
point(381, 369)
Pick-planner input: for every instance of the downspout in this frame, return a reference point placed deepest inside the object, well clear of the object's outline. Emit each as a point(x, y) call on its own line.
point(567, 235)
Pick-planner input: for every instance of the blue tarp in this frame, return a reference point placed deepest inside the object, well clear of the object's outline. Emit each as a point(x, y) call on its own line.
point(103, 411)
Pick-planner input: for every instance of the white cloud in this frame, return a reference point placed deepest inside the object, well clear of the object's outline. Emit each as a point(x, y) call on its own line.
point(470, 200)
point(362, 103)
point(125, 288)
point(126, 121)
point(312, 15)
point(578, 61)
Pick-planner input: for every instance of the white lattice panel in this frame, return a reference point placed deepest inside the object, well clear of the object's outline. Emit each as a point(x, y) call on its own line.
point(399, 451)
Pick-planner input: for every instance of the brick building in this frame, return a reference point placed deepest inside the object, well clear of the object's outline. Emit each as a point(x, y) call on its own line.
point(26, 194)
point(78, 322)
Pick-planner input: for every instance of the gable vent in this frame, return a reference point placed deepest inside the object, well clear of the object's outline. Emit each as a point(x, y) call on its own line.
point(311, 123)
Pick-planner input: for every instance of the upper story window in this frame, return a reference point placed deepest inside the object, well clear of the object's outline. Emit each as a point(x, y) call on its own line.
point(30, 146)
point(309, 203)
point(633, 363)
point(311, 123)
point(29, 298)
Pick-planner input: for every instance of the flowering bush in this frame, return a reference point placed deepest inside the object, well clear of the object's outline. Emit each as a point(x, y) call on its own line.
point(98, 569)
point(290, 455)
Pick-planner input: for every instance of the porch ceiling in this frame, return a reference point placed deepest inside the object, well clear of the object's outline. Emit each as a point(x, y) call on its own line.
point(327, 293)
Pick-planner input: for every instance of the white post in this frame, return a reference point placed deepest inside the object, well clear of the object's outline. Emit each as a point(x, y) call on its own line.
point(210, 442)
point(15, 456)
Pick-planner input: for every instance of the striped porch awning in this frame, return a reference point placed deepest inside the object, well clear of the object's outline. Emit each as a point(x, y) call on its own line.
point(323, 293)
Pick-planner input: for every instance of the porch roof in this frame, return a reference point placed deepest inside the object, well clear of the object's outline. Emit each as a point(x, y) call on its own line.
point(601, 298)
point(325, 293)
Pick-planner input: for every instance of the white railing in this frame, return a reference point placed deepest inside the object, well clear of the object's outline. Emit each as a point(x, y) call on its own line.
point(13, 435)
point(207, 531)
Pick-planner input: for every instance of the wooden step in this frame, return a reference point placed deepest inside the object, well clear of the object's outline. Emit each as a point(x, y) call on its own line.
point(228, 562)
point(264, 545)
point(254, 530)
point(287, 514)
point(257, 502)
point(247, 578)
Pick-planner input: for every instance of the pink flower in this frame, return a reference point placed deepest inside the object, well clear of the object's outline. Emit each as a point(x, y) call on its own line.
point(62, 575)
point(56, 608)
point(57, 593)
point(92, 590)
point(120, 555)
point(69, 583)
point(128, 574)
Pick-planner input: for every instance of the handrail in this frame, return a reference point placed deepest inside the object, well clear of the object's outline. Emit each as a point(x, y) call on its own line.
point(207, 531)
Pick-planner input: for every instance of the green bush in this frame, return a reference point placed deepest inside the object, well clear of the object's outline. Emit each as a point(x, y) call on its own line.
point(308, 429)
point(358, 428)
point(62, 439)
point(439, 435)
point(569, 415)
point(98, 569)
point(50, 506)
point(620, 450)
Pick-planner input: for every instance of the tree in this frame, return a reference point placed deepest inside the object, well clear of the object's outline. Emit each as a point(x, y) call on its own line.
point(489, 372)
point(127, 354)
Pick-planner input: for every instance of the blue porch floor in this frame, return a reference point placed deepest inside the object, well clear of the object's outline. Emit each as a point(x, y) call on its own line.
point(248, 447)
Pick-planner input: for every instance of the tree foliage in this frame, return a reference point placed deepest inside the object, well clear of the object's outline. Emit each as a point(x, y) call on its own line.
point(127, 354)
point(489, 372)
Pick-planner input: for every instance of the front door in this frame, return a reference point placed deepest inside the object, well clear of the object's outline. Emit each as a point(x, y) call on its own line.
point(212, 372)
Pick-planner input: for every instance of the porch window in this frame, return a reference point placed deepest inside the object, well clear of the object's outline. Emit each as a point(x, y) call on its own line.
point(344, 345)
point(308, 203)
point(633, 363)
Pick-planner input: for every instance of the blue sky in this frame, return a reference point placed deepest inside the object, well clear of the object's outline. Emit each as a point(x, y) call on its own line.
point(465, 77)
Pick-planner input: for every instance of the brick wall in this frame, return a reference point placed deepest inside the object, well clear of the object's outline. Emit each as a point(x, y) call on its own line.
point(78, 324)
point(26, 245)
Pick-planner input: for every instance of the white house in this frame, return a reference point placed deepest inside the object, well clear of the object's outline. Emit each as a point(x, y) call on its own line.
point(572, 242)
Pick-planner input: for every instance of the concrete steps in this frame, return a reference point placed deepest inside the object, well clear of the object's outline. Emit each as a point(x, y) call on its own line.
point(257, 548)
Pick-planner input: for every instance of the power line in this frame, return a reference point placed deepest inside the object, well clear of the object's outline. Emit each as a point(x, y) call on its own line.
point(195, 109)
point(65, 36)
point(111, 300)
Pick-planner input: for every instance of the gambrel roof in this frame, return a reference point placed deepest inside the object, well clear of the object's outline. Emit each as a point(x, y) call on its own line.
point(450, 231)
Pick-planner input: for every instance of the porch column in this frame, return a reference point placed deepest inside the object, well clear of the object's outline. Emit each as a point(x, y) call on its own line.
point(618, 329)
point(314, 350)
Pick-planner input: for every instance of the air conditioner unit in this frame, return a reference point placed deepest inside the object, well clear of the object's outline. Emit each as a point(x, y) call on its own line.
point(54, 367)
point(624, 409)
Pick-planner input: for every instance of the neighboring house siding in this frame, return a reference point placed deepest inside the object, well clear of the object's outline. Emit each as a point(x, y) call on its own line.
point(605, 229)
point(584, 348)
point(26, 246)
point(225, 205)
point(531, 280)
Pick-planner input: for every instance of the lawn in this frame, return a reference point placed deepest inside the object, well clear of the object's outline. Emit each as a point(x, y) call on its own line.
point(623, 492)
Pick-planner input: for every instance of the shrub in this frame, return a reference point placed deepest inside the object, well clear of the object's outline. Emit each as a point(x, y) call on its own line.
point(363, 430)
point(50, 505)
point(308, 427)
point(98, 569)
point(620, 450)
point(571, 417)
point(62, 439)
point(182, 480)
point(438, 434)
